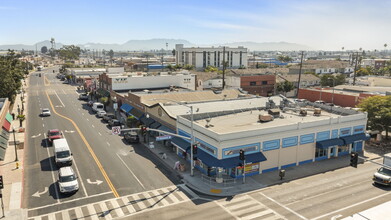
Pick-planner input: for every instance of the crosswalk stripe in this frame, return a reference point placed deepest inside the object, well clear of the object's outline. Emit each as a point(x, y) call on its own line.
point(92, 212)
point(147, 200)
point(79, 213)
point(128, 205)
point(65, 215)
point(117, 208)
point(51, 216)
point(169, 194)
point(139, 203)
point(261, 214)
point(105, 211)
point(182, 195)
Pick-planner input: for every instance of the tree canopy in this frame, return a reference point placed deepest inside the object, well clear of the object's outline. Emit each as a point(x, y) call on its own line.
point(44, 49)
point(12, 71)
point(70, 52)
point(285, 86)
point(379, 112)
point(331, 80)
point(284, 59)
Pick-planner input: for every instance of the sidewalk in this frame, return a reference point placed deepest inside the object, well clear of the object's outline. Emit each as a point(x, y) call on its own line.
point(13, 176)
point(205, 185)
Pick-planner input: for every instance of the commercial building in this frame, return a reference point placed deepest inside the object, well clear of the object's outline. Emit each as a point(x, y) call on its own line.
point(5, 122)
point(201, 57)
point(289, 137)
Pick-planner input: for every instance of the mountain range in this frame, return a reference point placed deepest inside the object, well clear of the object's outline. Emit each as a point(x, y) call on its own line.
point(158, 44)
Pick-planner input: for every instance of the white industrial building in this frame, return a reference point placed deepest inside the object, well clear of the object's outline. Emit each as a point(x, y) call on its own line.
point(201, 57)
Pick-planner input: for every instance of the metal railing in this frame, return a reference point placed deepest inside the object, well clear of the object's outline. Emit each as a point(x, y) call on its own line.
point(212, 181)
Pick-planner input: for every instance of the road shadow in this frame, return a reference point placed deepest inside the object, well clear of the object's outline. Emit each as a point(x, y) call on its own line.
point(383, 187)
point(45, 143)
point(48, 164)
point(52, 192)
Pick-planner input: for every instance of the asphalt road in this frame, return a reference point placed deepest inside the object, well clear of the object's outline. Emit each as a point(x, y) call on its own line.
point(107, 167)
point(332, 195)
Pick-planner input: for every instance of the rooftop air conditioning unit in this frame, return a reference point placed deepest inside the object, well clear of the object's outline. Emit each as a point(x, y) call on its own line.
point(274, 112)
point(317, 112)
point(265, 118)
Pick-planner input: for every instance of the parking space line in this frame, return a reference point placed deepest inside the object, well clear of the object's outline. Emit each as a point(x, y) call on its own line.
point(87, 119)
point(283, 206)
point(108, 143)
point(131, 171)
point(99, 133)
point(59, 98)
point(93, 126)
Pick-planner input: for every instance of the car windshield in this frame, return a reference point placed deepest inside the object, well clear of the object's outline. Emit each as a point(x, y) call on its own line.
point(45, 110)
point(54, 133)
point(385, 171)
point(67, 178)
point(63, 154)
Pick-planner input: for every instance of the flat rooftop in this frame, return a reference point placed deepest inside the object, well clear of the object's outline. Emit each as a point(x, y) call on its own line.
point(249, 120)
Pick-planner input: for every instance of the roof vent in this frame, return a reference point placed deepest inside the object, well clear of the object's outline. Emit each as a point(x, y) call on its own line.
point(265, 118)
point(274, 112)
point(303, 112)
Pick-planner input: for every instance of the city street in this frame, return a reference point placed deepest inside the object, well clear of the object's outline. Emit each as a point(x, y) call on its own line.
point(106, 166)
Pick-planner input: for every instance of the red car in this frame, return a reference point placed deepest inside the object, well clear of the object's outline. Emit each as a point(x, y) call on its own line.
point(54, 134)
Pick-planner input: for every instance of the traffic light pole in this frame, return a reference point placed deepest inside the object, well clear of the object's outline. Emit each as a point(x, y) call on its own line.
point(383, 165)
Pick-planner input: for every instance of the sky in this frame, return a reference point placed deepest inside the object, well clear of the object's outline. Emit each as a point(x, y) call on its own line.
point(319, 24)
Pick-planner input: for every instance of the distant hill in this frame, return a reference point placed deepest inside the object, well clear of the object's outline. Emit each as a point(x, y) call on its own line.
point(158, 44)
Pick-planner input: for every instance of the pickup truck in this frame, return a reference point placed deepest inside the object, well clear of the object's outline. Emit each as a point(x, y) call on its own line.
point(383, 174)
point(114, 122)
point(83, 96)
point(108, 117)
point(131, 137)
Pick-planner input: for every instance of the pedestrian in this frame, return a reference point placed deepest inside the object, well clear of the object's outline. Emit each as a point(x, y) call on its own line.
point(176, 166)
point(13, 116)
point(164, 156)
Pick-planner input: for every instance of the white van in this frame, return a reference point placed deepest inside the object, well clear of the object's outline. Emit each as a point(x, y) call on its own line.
point(62, 153)
point(97, 106)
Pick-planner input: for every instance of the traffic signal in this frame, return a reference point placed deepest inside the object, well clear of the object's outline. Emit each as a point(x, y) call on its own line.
point(353, 159)
point(1, 182)
point(144, 130)
point(241, 155)
point(195, 148)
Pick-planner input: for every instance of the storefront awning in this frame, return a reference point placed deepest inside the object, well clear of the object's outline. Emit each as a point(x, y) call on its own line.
point(8, 116)
point(136, 113)
point(126, 108)
point(146, 121)
point(2, 153)
point(164, 128)
point(356, 137)
point(155, 125)
point(6, 125)
point(328, 143)
point(229, 162)
point(3, 142)
point(179, 142)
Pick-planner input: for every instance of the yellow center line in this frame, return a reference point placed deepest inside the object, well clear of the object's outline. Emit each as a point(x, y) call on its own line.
point(89, 149)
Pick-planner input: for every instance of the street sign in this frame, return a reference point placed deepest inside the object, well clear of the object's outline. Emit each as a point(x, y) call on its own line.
point(116, 130)
point(164, 137)
point(115, 106)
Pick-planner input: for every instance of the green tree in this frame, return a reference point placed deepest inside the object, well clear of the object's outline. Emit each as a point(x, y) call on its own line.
point(261, 65)
point(111, 55)
point(284, 59)
point(211, 69)
point(285, 87)
point(70, 52)
point(188, 67)
point(131, 121)
point(379, 112)
point(170, 67)
point(44, 49)
point(331, 80)
point(12, 71)
point(178, 66)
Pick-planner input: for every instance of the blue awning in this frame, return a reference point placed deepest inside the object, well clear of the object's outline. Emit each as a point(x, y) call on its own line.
point(126, 107)
point(136, 113)
point(232, 162)
point(179, 142)
point(146, 121)
point(164, 128)
point(356, 137)
point(328, 143)
point(155, 125)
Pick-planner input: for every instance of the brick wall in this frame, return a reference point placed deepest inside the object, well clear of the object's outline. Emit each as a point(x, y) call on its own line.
point(259, 88)
point(343, 100)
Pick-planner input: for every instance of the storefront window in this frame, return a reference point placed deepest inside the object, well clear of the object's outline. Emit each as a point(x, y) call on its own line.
point(320, 152)
point(342, 149)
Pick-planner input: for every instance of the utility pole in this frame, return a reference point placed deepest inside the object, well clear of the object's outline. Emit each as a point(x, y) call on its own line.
point(223, 68)
point(355, 69)
point(301, 65)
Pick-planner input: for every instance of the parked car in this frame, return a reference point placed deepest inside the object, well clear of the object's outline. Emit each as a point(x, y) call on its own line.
point(108, 117)
point(131, 137)
point(45, 112)
point(90, 103)
point(83, 96)
point(67, 180)
point(97, 106)
point(100, 113)
point(320, 102)
point(114, 122)
point(54, 134)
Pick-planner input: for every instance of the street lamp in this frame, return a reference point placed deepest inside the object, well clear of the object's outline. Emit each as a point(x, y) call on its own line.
point(16, 152)
point(192, 141)
point(115, 106)
point(332, 97)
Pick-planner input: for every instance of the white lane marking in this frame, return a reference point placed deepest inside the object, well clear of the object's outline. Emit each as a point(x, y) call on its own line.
point(43, 125)
point(74, 200)
point(59, 98)
point(97, 182)
point(99, 133)
point(336, 216)
point(51, 167)
point(87, 119)
point(34, 136)
point(63, 91)
point(38, 194)
point(283, 206)
point(82, 113)
point(76, 92)
point(108, 143)
point(131, 171)
point(356, 204)
point(93, 126)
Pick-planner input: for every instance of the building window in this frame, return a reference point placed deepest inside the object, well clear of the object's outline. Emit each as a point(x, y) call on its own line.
point(319, 152)
point(215, 64)
point(208, 58)
point(253, 83)
point(204, 59)
point(264, 82)
point(218, 59)
point(240, 59)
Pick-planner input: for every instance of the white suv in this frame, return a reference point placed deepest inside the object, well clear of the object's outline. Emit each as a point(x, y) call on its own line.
point(45, 112)
point(67, 180)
